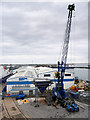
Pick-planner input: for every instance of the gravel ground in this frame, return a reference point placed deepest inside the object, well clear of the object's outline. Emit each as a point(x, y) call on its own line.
point(45, 111)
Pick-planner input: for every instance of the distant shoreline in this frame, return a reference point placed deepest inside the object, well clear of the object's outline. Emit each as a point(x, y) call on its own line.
point(15, 66)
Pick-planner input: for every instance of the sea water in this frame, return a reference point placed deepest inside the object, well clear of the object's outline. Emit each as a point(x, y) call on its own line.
point(81, 73)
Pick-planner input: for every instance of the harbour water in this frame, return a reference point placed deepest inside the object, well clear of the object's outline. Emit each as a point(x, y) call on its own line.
point(82, 73)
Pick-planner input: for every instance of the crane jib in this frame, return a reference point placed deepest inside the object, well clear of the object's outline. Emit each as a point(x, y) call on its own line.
point(62, 66)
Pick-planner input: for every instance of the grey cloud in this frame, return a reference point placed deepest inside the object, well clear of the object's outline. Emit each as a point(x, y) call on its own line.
point(39, 28)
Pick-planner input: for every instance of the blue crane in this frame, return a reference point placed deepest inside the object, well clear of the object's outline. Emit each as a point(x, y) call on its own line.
point(62, 66)
point(59, 92)
point(59, 89)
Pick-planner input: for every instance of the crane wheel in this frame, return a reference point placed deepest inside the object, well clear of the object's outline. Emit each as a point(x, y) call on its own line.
point(77, 110)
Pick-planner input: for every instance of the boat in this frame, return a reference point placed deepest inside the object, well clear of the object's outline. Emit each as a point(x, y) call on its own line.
point(22, 81)
point(28, 78)
point(51, 73)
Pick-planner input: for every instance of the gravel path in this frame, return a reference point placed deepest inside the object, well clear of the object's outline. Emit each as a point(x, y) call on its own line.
point(45, 111)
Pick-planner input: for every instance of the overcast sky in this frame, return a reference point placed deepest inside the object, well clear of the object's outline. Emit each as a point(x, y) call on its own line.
point(33, 32)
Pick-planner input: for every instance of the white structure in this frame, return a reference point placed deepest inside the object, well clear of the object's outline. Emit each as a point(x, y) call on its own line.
point(49, 73)
point(23, 80)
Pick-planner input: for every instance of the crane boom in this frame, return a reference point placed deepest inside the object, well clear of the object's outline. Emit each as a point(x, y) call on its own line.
point(62, 66)
point(67, 36)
